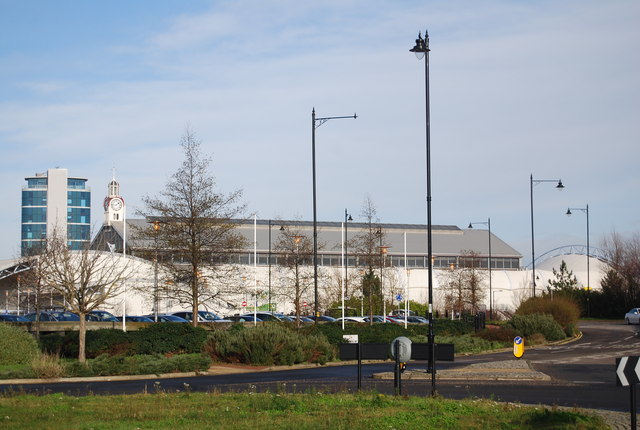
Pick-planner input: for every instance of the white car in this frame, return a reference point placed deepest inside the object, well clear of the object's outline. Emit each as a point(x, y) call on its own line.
point(353, 319)
point(633, 316)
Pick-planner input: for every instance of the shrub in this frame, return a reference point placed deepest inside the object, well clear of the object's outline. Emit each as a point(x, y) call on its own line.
point(563, 310)
point(267, 344)
point(527, 325)
point(502, 334)
point(106, 365)
point(163, 338)
point(108, 341)
point(16, 345)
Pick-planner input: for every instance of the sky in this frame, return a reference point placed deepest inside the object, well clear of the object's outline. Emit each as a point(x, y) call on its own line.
point(547, 88)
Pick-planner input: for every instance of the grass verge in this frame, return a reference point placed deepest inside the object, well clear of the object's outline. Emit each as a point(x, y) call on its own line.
point(253, 411)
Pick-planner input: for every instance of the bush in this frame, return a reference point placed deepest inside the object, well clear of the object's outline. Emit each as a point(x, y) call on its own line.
point(563, 310)
point(267, 344)
point(108, 341)
point(527, 325)
point(502, 334)
point(164, 338)
point(16, 345)
point(106, 365)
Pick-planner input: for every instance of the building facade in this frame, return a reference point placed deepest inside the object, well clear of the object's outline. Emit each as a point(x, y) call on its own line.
point(55, 202)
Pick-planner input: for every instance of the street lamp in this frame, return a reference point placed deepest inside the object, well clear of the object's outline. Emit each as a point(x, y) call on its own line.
point(421, 49)
point(488, 224)
point(269, 263)
point(586, 211)
point(315, 123)
point(156, 230)
point(559, 187)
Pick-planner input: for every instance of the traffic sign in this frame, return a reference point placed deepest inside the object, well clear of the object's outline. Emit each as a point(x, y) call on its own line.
point(518, 347)
point(244, 303)
point(398, 297)
point(627, 371)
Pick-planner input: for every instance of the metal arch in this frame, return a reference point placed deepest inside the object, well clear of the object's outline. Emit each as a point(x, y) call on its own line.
point(598, 253)
point(14, 270)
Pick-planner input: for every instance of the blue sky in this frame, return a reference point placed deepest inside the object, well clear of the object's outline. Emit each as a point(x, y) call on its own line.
point(548, 88)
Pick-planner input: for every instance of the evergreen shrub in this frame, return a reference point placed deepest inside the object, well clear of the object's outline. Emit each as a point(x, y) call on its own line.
point(267, 344)
point(16, 345)
point(563, 310)
point(527, 325)
point(164, 338)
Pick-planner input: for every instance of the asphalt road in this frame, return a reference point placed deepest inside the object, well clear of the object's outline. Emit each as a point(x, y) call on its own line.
point(582, 375)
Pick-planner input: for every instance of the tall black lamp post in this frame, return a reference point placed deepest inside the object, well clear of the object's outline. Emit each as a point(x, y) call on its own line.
point(586, 211)
point(559, 187)
point(315, 123)
point(488, 224)
point(421, 49)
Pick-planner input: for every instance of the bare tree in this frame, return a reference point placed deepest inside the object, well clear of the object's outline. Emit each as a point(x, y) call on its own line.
point(85, 279)
point(464, 284)
point(196, 229)
point(368, 247)
point(295, 251)
point(32, 281)
point(622, 281)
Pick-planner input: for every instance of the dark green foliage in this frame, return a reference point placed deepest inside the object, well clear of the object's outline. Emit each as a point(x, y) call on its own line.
point(267, 344)
point(106, 365)
point(163, 338)
point(528, 325)
point(16, 345)
point(563, 310)
point(501, 334)
point(383, 333)
point(98, 342)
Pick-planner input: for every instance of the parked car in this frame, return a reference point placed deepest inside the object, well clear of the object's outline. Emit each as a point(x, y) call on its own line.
point(135, 318)
point(203, 316)
point(97, 315)
point(242, 318)
point(12, 318)
point(633, 316)
point(304, 319)
point(323, 318)
point(269, 316)
point(352, 319)
point(376, 319)
point(53, 316)
point(168, 318)
point(416, 319)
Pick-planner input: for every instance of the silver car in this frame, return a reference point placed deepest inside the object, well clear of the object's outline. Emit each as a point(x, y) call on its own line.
point(633, 316)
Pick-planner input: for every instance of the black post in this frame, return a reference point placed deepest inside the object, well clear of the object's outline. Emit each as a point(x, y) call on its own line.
point(359, 352)
point(632, 390)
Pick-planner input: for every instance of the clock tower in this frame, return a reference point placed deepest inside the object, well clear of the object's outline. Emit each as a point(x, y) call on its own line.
point(113, 204)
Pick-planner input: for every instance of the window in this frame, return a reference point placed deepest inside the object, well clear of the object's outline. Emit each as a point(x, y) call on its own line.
point(79, 198)
point(78, 184)
point(34, 198)
point(34, 231)
point(79, 215)
point(37, 183)
point(32, 214)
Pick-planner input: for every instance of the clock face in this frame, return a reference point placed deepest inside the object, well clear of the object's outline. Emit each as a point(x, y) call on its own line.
point(116, 204)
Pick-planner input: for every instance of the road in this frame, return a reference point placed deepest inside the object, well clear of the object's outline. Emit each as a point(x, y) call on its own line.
point(582, 374)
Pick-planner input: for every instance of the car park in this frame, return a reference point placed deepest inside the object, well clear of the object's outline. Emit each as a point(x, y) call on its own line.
point(53, 316)
point(416, 319)
point(633, 316)
point(203, 316)
point(12, 318)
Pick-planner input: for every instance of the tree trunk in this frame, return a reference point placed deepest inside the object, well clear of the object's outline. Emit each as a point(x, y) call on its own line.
point(82, 336)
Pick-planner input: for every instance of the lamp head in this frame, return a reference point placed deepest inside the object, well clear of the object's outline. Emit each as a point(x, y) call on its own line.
point(568, 212)
point(422, 46)
point(470, 225)
point(350, 218)
point(560, 186)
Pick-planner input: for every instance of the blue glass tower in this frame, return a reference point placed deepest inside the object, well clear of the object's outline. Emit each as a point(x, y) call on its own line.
point(53, 202)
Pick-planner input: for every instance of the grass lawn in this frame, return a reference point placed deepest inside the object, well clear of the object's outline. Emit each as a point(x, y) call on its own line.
point(277, 411)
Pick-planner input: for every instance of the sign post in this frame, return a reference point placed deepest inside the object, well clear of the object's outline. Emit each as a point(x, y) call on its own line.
point(628, 374)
